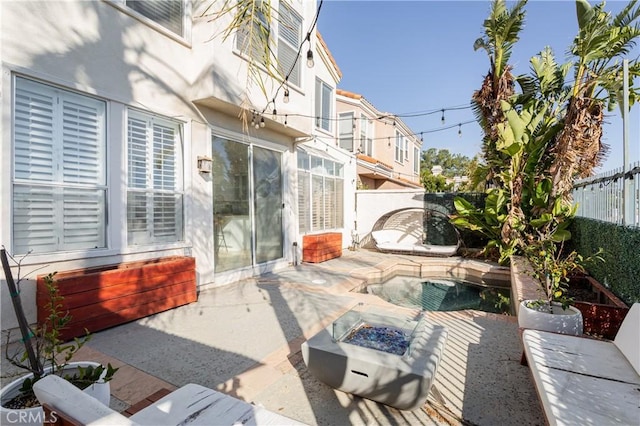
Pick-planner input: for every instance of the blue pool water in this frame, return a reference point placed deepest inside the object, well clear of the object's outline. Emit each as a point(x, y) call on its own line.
point(442, 294)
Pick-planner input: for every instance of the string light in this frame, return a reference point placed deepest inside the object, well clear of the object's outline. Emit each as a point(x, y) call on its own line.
point(262, 123)
point(285, 121)
point(442, 119)
point(310, 61)
point(285, 98)
point(460, 130)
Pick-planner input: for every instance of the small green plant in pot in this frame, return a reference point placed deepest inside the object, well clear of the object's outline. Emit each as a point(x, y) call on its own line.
point(42, 351)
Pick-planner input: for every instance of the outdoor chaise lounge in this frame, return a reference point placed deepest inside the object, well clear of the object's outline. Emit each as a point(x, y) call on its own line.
point(191, 404)
point(585, 381)
point(398, 241)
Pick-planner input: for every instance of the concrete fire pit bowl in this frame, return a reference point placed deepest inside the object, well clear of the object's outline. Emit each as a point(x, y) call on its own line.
point(388, 359)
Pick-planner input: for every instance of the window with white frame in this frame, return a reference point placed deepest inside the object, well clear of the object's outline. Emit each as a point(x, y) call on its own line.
point(324, 100)
point(59, 186)
point(168, 13)
point(406, 149)
point(320, 193)
point(345, 130)
point(154, 180)
point(289, 37)
point(253, 38)
point(366, 140)
point(399, 147)
point(416, 160)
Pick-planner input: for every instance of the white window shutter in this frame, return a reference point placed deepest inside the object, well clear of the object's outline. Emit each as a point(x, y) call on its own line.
point(59, 157)
point(304, 201)
point(83, 141)
point(168, 13)
point(34, 131)
point(154, 199)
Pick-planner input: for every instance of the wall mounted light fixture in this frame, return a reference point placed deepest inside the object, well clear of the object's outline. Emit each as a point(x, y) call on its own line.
point(205, 164)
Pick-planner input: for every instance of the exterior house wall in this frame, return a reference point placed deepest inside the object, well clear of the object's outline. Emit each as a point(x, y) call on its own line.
point(102, 49)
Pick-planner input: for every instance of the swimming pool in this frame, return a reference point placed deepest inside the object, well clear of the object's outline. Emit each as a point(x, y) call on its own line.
point(442, 294)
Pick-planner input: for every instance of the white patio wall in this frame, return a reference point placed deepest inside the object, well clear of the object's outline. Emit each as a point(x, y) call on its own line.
point(371, 205)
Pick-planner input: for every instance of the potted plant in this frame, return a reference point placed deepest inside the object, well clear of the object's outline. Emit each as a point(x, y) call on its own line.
point(552, 268)
point(42, 353)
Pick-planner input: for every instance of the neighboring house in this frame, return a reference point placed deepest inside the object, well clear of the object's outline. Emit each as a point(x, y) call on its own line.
point(388, 153)
point(111, 111)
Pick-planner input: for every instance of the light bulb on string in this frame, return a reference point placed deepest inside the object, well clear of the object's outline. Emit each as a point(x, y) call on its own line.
point(310, 61)
point(285, 98)
point(459, 130)
point(262, 123)
point(421, 138)
point(253, 118)
point(275, 114)
point(285, 121)
point(442, 119)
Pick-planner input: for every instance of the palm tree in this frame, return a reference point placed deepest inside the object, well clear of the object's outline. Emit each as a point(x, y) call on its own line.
point(602, 42)
point(502, 29)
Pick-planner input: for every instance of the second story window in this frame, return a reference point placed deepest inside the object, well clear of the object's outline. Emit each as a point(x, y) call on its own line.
point(366, 141)
point(168, 13)
point(324, 94)
point(345, 131)
point(289, 36)
point(399, 147)
point(416, 160)
point(253, 36)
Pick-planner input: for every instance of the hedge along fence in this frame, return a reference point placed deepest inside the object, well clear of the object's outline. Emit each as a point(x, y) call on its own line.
point(621, 268)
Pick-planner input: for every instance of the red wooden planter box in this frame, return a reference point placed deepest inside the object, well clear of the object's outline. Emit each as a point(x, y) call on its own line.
point(105, 296)
point(604, 313)
point(320, 247)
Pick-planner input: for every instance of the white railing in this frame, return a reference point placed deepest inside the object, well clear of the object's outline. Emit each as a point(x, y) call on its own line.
point(602, 197)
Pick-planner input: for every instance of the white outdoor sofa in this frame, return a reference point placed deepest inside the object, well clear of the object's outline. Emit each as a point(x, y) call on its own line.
point(189, 405)
point(585, 381)
point(398, 241)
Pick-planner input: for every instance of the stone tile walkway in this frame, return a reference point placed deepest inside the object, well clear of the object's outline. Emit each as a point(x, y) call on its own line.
point(244, 339)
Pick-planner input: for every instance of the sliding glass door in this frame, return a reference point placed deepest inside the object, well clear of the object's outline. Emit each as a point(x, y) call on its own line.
point(247, 205)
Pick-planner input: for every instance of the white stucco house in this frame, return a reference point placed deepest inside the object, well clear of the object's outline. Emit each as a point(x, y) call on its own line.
point(122, 140)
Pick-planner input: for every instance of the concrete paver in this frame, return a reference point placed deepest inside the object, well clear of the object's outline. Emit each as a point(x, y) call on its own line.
point(244, 339)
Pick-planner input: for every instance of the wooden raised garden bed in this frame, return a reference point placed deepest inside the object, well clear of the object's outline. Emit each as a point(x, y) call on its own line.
point(320, 247)
point(602, 311)
point(105, 296)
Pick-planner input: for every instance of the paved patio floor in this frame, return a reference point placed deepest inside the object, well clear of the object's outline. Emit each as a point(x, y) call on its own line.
point(244, 339)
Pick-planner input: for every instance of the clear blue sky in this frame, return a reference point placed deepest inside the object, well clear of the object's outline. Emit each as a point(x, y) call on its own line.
point(408, 56)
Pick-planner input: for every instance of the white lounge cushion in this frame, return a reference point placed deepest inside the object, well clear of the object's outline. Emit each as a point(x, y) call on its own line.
point(191, 404)
point(628, 337)
point(395, 236)
point(64, 397)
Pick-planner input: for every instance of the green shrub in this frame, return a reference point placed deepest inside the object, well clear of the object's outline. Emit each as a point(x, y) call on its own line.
point(621, 268)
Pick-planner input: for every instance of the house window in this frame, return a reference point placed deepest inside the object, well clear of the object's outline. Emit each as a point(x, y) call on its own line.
point(324, 94)
point(320, 193)
point(399, 147)
point(59, 187)
point(154, 180)
point(406, 149)
point(168, 13)
point(253, 37)
point(345, 130)
point(416, 160)
point(289, 36)
point(366, 142)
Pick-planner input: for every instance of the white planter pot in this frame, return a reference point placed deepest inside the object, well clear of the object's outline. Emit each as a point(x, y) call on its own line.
point(565, 321)
point(35, 416)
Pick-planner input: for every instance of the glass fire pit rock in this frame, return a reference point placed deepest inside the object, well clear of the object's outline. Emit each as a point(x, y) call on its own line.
point(387, 358)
